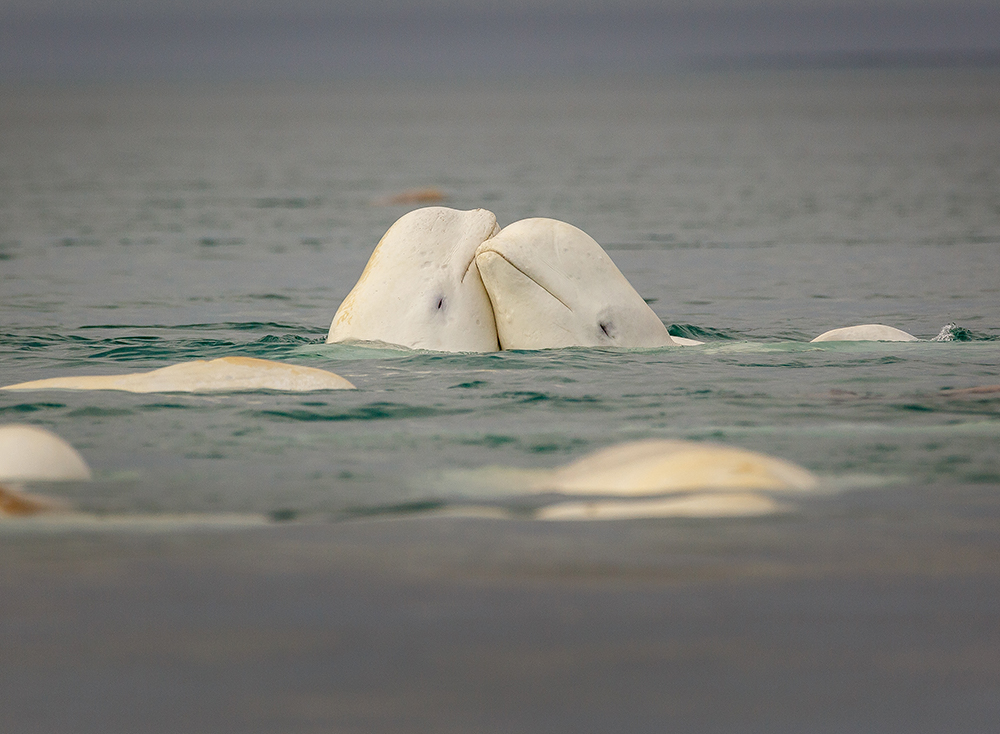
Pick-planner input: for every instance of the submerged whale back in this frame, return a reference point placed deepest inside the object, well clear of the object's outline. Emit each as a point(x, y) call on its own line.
point(225, 374)
point(866, 333)
point(29, 453)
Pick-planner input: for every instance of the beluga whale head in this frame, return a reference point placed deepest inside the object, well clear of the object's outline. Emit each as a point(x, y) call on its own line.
point(552, 285)
point(421, 288)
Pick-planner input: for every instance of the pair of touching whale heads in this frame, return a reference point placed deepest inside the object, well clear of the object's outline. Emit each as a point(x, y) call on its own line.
point(447, 280)
point(453, 281)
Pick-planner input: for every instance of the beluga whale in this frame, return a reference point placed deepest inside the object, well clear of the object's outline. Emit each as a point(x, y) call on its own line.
point(421, 288)
point(551, 285)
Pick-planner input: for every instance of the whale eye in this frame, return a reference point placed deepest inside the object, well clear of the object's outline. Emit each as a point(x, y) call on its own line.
point(607, 328)
point(440, 302)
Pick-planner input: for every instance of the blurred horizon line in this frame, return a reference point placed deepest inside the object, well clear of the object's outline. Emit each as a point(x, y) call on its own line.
point(45, 46)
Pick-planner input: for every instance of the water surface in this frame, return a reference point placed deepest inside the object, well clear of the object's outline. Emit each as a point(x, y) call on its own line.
point(141, 226)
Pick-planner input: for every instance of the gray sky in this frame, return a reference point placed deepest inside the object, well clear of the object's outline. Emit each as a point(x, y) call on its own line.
point(68, 40)
point(338, 7)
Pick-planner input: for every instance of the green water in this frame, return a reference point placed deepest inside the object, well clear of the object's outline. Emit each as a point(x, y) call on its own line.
point(140, 227)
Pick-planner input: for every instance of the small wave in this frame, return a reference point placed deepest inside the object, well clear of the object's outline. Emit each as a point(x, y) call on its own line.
point(947, 333)
point(99, 412)
point(160, 343)
point(21, 408)
point(287, 202)
point(372, 411)
point(470, 385)
point(130, 349)
point(401, 508)
point(951, 332)
point(267, 297)
point(490, 440)
point(524, 397)
point(216, 326)
point(285, 339)
point(220, 241)
point(701, 333)
point(70, 241)
point(357, 350)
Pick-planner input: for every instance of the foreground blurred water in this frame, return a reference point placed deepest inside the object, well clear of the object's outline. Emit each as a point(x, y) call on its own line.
point(141, 226)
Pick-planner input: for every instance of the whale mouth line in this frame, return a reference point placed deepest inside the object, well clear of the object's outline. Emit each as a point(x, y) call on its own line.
point(468, 268)
point(506, 260)
point(472, 260)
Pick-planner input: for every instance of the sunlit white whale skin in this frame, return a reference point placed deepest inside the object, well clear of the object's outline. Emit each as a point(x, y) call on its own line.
point(226, 374)
point(29, 453)
point(552, 285)
point(866, 333)
point(421, 289)
point(660, 466)
point(692, 480)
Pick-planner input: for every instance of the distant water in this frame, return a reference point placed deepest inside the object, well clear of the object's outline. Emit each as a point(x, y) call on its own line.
point(141, 226)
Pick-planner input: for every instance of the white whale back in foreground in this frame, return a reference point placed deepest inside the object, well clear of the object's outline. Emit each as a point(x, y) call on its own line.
point(692, 480)
point(421, 289)
point(32, 454)
point(552, 285)
point(226, 374)
point(29, 453)
point(663, 466)
point(865, 333)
